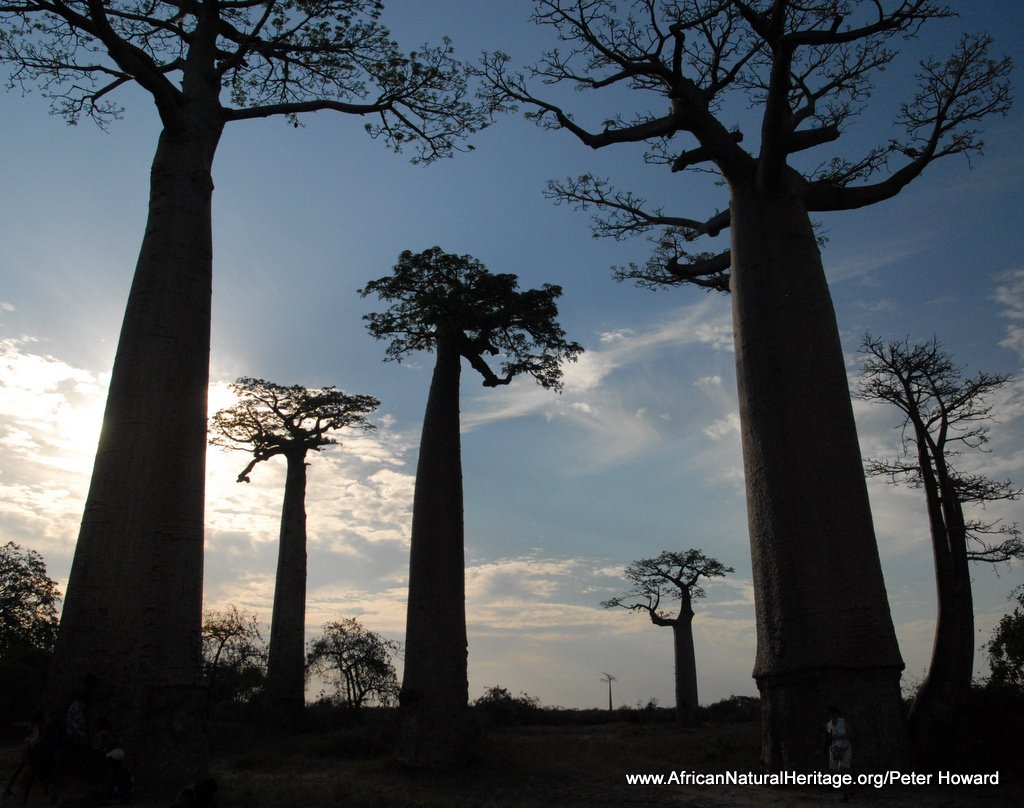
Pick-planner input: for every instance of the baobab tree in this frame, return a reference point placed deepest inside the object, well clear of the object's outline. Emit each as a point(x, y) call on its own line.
point(673, 576)
point(607, 677)
point(271, 420)
point(804, 70)
point(452, 305)
point(944, 414)
point(137, 572)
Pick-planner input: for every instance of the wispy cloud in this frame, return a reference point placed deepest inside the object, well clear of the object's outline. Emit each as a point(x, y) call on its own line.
point(1010, 295)
point(602, 396)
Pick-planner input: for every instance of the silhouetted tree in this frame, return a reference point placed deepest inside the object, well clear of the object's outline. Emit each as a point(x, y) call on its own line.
point(673, 576)
point(944, 413)
point(1006, 647)
point(356, 662)
point(270, 420)
point(824, 628)
point(234, 656)
point(607, 677)
point(137, 573)
point(454, 306)
point(28, 629)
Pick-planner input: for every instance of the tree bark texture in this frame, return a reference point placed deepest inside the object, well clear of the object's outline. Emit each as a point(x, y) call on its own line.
point(825, 634)
point(133, 609)
point(686, 668)
point(286, 675)
point(435, 687)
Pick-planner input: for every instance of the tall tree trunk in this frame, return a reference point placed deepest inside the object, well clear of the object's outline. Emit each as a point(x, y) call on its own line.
point(133, 609)
point(286, 677)
point(435, 687)
point(825, 633)
point(686, 667)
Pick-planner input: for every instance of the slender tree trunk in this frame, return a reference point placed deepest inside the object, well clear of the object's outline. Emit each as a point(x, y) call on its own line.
point(686, 667)
point(435, 687)
point(939, 699)
point(133, 610)
point(825, 634)
point(286, 676)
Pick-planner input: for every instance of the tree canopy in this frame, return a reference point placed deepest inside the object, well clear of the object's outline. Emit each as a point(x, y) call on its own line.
point(270, 58)
point(234, 655)
point(945, 413)
point(436, 294)
point(271, 419)
point(1006, 646)
point(355, 662)
point(672, 576)
point(808, 67)
point(28, 601)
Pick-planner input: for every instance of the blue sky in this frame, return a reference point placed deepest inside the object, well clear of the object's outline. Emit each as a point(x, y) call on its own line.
point(639, 454)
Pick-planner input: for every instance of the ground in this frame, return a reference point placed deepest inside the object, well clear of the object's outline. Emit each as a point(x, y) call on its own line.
point(528, 767)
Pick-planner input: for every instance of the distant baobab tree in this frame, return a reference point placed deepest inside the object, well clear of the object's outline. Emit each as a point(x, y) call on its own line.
point(607, 677)
point(138, 568)
point(944, 414)
point(270, 420)
point(673, 576)
point(673, 77)
point(452, 305)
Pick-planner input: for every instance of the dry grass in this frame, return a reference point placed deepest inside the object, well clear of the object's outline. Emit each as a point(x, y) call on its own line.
point(525, 767)
point(520, 767)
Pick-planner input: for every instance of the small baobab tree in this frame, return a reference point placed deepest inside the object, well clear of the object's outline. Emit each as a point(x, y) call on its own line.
point(607, 677)
point(270, 420)
point(452, 305)
point(944, 415)
point(673, 576)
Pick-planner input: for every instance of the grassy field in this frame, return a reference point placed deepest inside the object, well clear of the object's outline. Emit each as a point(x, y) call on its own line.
point(522, 767)
point(526, 767)
point(532, 766)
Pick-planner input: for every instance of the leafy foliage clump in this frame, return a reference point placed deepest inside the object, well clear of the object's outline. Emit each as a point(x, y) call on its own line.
point(28, 628)
point(1006, 648)
point(437, 295)
point(234, 656)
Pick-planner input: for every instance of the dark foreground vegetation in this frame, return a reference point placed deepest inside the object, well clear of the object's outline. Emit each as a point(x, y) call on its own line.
point(529, 755)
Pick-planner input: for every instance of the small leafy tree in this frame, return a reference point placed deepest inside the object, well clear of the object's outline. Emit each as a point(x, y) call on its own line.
point(1006, 647)
point(356, 663)
point(234, 656)
point(28, 628)
point(28, 601)
point(944, 415)
point(500, 708)
point(270, 420)
point(673, 576)
point(454, 306)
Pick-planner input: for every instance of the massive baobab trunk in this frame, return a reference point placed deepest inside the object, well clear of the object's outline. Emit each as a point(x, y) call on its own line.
point(435, 687)
point(133, 609)
point(286, 674)
point(825, 634)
